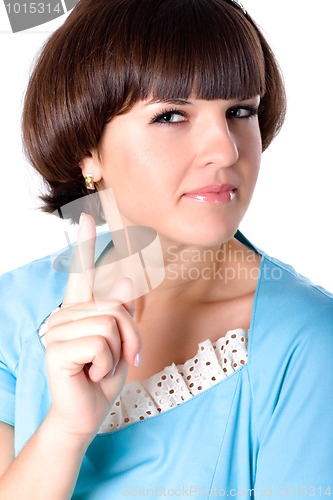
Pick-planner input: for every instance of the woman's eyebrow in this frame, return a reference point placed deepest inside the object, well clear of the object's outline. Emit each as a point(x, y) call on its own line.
point(179, 102)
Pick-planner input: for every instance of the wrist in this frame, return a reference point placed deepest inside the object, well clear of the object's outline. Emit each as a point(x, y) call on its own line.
point(57, 432)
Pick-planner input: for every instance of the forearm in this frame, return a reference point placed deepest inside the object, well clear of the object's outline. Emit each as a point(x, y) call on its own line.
point(47, 467)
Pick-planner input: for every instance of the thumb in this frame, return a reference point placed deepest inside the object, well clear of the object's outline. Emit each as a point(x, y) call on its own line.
point(123, 291)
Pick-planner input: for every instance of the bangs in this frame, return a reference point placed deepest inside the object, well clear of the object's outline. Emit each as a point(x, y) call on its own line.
point(110, 54)
point(208, 50)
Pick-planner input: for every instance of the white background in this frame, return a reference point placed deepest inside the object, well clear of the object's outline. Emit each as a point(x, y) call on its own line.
point(291, 213)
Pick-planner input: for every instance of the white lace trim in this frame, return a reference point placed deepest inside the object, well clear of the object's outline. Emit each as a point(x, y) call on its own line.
point(176, 383)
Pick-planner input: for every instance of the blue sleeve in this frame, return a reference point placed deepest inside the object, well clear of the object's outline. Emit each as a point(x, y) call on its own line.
point(295, 457)
point(28, 294)
point(7, 394)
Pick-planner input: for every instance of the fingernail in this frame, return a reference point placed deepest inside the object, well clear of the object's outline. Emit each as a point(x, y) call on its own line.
point(82, 219)
point(138, 360)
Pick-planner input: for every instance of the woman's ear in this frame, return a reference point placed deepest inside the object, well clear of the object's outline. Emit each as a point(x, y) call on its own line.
point(91, 166)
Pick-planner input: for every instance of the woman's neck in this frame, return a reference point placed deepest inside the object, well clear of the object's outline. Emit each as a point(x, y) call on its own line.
point(174, 272)
point(196, 274)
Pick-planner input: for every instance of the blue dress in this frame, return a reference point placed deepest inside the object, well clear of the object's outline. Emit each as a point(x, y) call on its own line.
point(264, 431)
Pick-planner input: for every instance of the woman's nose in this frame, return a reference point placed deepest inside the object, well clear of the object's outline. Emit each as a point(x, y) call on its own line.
point(216, 144)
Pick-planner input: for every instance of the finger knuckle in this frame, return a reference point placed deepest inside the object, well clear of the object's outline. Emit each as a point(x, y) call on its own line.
point(108, 324)
point(104, 360)
point(107, 364)
point(99, 344)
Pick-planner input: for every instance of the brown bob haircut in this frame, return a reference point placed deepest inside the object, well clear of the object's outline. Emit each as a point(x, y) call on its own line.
point(111, 53)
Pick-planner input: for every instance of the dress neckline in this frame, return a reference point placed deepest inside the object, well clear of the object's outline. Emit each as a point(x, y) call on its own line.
point(176, 384)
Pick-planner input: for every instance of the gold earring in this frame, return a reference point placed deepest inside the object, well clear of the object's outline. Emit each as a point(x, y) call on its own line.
point(89, 182)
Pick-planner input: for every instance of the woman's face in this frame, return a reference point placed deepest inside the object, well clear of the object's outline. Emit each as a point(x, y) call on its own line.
point(168, 164)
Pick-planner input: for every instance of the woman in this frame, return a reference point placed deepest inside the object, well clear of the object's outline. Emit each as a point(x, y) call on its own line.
point(162, 107)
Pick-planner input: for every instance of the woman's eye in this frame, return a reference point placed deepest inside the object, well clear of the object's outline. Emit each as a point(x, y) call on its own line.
point(243, 112)
point(169, 117)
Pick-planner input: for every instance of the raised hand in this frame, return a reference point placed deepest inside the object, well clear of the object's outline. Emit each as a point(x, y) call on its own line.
point(89, 348)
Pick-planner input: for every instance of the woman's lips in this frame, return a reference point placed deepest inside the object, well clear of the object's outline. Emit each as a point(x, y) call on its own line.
point(222, 193)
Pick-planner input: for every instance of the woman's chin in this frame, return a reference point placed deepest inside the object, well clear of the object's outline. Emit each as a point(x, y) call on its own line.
point(202, 236)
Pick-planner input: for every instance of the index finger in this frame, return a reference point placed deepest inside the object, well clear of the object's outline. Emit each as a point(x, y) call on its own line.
point(81, 277)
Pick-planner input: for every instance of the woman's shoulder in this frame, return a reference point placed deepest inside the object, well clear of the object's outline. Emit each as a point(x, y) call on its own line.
point(293, 293)
point(40, 278)
point(281, 286)
point(292, 318)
